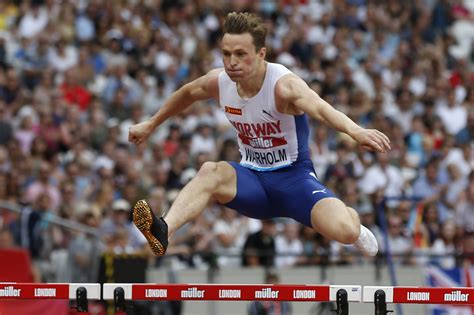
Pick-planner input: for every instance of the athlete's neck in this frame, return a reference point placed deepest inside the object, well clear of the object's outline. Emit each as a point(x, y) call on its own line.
point(253, 84)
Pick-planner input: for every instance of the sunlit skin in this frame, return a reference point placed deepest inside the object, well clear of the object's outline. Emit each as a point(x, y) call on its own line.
point(243, 63)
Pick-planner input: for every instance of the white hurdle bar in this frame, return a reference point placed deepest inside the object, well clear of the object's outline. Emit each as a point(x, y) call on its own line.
point(66, 291)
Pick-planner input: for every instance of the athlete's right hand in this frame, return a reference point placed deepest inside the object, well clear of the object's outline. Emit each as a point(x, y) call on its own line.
point(372, 140)
point(140, 132)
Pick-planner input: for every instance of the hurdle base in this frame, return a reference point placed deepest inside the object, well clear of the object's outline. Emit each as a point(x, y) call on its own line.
point(380, 303)
point(82, 304)
point(119, 299)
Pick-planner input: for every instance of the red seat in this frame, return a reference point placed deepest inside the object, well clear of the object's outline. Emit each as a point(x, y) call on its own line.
point(15, 266)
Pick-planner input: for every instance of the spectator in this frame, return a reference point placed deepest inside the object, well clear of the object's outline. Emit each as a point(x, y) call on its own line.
point(466, 134)
point(468, 248)
point(400, 245)
point(431, 187)
point(457, 184)
point(445, 245)
point(229, 232)
point(308, 239)
point(452, 114)
point(6, 129)
point(203, 141)
point(259, 248)
point(29, 230)
point(25, 133)
point(117, 224)
point(382, 176)
point(34, 21)
point(288, 247)
point(11, 91)
point(321, 154)
point(343, 167)
point(83, 250)
point(43, 186)
point(73, 92)
point(465, 208)
point(431, 222)
point(62, 56)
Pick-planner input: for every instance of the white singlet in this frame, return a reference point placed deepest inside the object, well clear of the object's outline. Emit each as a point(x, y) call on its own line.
point(267, 139)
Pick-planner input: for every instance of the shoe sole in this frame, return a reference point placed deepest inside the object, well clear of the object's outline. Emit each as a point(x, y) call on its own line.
point(143, 220)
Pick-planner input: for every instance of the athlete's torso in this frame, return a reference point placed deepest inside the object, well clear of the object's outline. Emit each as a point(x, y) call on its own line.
point(267, 139)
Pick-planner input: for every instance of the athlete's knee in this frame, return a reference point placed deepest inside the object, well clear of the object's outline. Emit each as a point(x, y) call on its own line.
point(349, 232)
point(340, 224)
point(208, 169)
point(212, 174)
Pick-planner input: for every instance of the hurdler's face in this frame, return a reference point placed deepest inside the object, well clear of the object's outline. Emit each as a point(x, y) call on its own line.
point(239, 56)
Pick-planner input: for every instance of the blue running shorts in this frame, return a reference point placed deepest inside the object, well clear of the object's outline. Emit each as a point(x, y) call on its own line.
point(286, 192)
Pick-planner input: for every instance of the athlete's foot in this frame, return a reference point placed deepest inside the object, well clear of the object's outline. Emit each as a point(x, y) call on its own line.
point(367, 243)
point(155, 230)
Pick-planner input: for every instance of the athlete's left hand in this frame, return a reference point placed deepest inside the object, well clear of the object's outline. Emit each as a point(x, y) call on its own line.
point(372, 140)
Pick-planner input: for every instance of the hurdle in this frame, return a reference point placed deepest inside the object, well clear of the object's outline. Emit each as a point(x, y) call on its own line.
point(81, 292)
point(340, 294)
point(380, 296)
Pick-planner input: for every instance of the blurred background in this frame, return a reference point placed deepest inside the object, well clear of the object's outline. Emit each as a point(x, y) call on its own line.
point(74, 75)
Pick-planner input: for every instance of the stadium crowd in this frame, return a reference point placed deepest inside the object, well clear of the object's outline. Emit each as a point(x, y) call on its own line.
point(75, 75)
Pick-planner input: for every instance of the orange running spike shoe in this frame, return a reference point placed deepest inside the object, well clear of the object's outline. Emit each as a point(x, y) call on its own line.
point(155, 230)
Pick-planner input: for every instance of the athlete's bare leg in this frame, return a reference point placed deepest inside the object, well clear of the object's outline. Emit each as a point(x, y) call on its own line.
point(213, 181)
point(335, 221)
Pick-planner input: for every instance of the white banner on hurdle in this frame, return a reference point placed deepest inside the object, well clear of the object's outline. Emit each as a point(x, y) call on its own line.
point(369, 293)
point(354, 292)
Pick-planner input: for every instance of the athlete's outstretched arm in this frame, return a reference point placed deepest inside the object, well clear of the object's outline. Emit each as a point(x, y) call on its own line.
point(296, 93)
point(202, 88)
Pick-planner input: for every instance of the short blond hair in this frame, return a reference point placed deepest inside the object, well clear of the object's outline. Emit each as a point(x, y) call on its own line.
point(244, 22)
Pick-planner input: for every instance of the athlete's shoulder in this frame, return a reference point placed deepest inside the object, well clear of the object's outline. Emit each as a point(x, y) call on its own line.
point(288, 84)
point(278, 66)
point(211, 81)
point(215, 72)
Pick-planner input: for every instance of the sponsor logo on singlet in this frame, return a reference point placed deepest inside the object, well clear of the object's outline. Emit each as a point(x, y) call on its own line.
point(233, 110)
point(263, 144)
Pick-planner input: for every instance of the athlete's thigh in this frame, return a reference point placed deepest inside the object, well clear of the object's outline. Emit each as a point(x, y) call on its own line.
point(251, 199)
point(297, 191)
